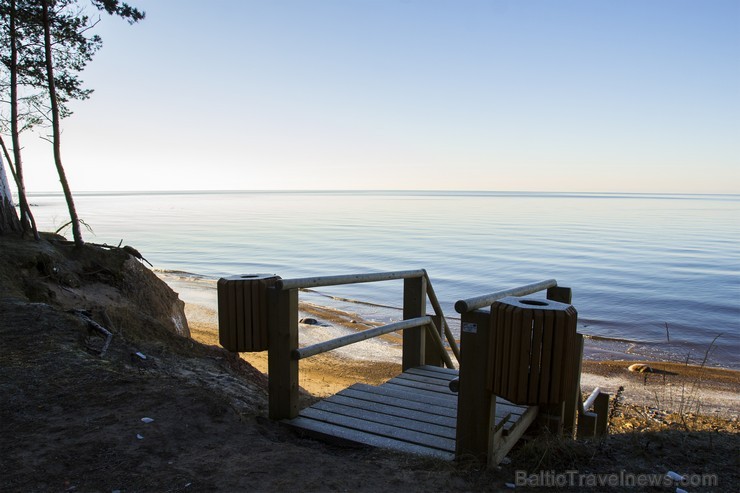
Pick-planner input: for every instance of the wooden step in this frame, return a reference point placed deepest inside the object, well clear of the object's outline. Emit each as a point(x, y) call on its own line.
point(413, 413)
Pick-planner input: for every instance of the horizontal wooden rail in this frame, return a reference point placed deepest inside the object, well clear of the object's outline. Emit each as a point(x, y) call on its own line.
point(465, 306)
point(315, 282)
point(322, 347)
point(591, 399)
point(421, 345)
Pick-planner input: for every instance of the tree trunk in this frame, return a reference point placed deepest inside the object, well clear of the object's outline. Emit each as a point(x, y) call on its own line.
point(8, 218)
point(55, 125)
point(27, 220)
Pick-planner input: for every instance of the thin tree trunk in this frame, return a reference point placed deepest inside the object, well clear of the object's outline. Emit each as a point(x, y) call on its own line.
point(21, 196)
point(8, 218)
point(55, 125)
point(27, 220)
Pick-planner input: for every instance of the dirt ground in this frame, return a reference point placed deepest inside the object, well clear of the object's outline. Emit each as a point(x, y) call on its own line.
point(159, 411)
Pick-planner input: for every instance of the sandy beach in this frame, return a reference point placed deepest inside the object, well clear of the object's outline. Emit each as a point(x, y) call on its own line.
point(670, 386)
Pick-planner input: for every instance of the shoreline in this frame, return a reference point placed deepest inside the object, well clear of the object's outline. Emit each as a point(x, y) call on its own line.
point(671, 386)
point(201, 291)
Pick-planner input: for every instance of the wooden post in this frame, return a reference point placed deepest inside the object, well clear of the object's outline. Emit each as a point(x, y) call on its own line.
point(414, 305)
point(601, 408)
point(431, 350)
point(560, 294)
point(551, 417)
point(282, 368)
point(587, 424)
point(474, 402)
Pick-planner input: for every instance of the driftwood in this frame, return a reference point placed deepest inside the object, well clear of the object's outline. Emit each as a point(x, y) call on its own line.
point(126, 248)
point(92, 324)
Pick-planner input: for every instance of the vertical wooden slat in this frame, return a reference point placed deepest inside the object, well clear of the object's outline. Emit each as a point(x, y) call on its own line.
point(536, 357)
point(234, 332)
point(414, 305)
point(525, 347)
point(573, 395)
point(495, 350)
point(546, 366)
point(252, 298)
point(499, 321)
point(514, 353)
point(282, 369)
point(239, 308)
point(506, 348)
point(558, 347)
point(258, 293)
point(261, 328)
point(224, 316)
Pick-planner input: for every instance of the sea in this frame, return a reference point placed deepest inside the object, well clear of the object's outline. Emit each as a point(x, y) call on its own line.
point(654, 276)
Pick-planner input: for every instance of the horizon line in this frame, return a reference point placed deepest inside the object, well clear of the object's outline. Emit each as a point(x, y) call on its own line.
point(379, 190)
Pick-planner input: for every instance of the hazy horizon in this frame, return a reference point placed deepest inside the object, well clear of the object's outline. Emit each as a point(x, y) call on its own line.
point(586, 193)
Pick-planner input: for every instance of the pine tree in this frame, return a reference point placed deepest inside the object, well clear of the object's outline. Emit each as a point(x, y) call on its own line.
point(57, 35)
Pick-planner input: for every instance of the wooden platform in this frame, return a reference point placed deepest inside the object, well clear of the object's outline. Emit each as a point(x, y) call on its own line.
point(415, 413)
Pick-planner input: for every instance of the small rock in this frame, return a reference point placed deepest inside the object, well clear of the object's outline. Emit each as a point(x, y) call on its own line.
point(140, 437)
point(640, 368)
point(674, 476)
point(146, 420)
point(309, 321)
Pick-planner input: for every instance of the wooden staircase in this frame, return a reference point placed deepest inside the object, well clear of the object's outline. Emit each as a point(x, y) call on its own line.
point(415, 412)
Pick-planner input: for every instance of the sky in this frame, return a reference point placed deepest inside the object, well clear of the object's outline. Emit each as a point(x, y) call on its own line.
point(525, 95)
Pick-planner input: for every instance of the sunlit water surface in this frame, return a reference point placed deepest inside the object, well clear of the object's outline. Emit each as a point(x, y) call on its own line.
point(656, 275)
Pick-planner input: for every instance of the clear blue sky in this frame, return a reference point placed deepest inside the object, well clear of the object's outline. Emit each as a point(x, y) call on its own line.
point(636, 96)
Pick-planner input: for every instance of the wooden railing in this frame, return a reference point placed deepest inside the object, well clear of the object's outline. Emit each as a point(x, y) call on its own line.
point(476, 403)
point(255, 310)
point(422, 333)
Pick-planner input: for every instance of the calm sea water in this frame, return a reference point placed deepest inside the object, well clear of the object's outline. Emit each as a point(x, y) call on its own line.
point(643, 268)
